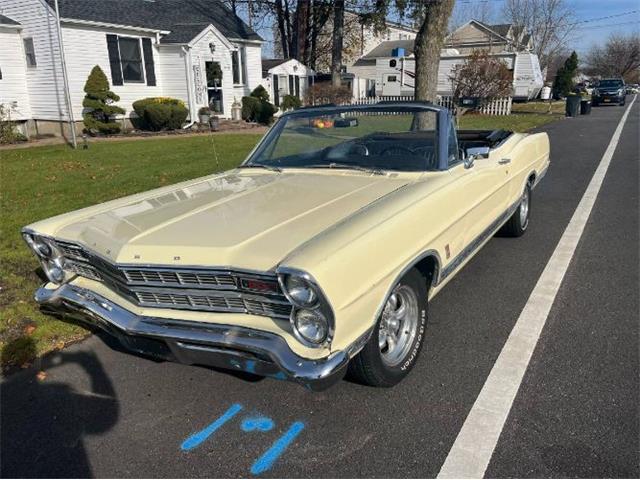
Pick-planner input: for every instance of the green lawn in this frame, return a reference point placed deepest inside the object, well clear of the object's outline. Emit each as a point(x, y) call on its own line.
point(524, 117)
point(40, 182)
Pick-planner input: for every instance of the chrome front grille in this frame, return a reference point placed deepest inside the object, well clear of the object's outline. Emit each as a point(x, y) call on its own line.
point(179, 288)
point(178, 278)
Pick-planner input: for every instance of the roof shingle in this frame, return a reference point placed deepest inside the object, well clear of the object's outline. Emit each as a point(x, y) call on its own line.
point(183, 18)
point(4, 20)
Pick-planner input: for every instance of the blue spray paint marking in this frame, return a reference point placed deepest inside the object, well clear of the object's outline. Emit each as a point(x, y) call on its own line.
point(266, 461)
point(263, 424)
point(250, 366)
point(197, 438)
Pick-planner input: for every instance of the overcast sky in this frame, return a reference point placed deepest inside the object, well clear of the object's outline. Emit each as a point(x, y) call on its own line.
point(592, 29)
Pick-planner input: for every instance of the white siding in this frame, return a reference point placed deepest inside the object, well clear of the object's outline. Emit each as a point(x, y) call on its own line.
point(44, 81)
point(171, 72)
point(14, 95)
point(253, 70)
point(86, 47)
point(445, 70)
point(527, 76)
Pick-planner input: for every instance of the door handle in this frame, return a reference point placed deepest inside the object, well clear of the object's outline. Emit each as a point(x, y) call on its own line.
point(504, 161)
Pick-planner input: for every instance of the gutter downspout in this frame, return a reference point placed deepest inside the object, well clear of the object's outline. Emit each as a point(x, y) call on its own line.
point(187, 67)
point(65, 80)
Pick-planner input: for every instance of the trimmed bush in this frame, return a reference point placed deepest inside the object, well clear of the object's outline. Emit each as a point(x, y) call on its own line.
point(98, 103)
point(261, 93)
point(250, 106)
point(256, 110)
point(159, 113)
point(324, 92)
point(265, 113)
point(290, 102)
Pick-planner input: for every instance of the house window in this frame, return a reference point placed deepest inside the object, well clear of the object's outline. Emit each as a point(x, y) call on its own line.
point(238, 66)
point(30, 52)
point(131, 59)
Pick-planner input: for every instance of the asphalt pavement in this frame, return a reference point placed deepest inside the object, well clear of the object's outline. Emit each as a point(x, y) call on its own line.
point(104, 413)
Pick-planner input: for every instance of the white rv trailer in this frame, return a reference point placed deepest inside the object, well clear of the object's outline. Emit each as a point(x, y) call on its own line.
point(394, 75)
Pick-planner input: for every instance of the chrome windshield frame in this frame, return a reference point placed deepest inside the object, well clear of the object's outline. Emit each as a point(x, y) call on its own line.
point(443, 117)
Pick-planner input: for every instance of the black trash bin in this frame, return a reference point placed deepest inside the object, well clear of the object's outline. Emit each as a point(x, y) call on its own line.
point(585, 107)
point(572, 108)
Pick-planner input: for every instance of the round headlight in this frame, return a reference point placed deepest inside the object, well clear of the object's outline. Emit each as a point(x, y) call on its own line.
point(42, 247)
point(39, 245)
point(54, 269)
point(311, 325)
point(300, 290)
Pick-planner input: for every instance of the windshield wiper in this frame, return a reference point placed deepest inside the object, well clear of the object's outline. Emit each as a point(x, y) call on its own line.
point(348, 166)
point(261, 165)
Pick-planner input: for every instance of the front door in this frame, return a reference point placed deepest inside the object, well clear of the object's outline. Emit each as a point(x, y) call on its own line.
point(214, 86)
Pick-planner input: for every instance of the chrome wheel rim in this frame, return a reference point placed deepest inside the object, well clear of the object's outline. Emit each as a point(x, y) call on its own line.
point(398, 325)
point(524, 209)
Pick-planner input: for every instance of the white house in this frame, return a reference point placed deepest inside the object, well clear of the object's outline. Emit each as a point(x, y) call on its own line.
point(13, 71)
point(389, 70)
point(194, 50)
point(285, 77)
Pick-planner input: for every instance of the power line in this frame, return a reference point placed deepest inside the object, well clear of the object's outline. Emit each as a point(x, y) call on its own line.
point(603, 18)
point(591, 27)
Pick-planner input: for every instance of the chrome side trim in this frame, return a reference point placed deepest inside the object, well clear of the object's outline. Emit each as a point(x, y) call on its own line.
point(191, 342)
point(478, 241)
point(540, 176)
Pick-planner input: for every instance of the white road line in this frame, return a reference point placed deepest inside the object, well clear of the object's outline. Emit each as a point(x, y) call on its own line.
point(472, 450)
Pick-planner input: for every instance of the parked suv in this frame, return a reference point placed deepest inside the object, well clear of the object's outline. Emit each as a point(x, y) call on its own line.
point(609, 90)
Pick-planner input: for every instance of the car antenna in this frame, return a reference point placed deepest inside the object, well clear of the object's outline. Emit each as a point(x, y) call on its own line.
point(213, 145)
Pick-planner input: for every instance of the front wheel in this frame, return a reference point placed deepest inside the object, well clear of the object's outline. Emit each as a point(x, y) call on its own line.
point(519, 221)
point(398, 335)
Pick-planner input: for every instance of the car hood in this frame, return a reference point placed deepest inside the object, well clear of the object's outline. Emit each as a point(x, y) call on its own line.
point(249, 220)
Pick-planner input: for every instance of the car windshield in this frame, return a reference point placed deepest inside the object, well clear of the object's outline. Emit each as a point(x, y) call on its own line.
point(610, 83)
point(370, 139)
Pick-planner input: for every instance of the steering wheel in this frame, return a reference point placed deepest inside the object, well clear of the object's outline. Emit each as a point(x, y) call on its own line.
point(359, 149)
point(396, 150)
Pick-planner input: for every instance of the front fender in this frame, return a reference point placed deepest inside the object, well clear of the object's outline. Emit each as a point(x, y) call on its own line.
point(358, 262)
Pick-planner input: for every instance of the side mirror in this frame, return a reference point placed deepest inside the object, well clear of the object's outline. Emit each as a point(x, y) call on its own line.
point(475, 153)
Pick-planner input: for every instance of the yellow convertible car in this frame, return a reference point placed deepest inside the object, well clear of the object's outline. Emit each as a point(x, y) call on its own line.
point(317, 255)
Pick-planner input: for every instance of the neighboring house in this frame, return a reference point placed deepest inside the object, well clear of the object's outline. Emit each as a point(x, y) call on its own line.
point(13, 71)
point(359, 39)
point(285, 77)
point(194, 50)
point(475, 35)
point(389, 71)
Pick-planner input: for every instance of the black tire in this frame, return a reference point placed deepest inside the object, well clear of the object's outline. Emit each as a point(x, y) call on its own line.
point(622, 102)
point(594, 104)
point(369, 367)
point(517, 224)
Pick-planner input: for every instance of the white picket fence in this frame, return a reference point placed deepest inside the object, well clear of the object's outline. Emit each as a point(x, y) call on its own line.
point(499, 106)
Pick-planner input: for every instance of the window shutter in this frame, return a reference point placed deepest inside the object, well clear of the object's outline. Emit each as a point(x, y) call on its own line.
point(148, 62)
point(114, 59)
point(291, 87)
point(297, 86)
point(276, 91)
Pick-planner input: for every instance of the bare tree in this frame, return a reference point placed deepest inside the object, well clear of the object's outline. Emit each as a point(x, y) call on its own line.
point(550, 23)
point(619, 57)
point(338, 34)
point(429, 41)
point(481, 76)
point(431, 17)
point(463, 12)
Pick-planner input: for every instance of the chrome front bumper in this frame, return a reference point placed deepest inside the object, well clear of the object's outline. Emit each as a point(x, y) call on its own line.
point(198, 343)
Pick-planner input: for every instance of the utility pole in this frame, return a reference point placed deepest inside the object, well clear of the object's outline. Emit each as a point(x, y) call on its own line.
point(65, 79)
